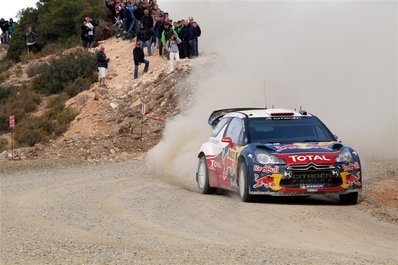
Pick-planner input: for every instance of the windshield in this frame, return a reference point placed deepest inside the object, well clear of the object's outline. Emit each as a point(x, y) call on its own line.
point(288, 130)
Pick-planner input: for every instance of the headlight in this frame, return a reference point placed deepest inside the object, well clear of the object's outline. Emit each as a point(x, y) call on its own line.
point(344, 156)
point(265, 158)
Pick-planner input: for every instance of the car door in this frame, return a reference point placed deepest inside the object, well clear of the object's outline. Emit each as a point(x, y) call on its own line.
point(233, 138)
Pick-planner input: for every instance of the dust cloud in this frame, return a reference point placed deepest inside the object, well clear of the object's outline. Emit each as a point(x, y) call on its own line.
point(337, 59)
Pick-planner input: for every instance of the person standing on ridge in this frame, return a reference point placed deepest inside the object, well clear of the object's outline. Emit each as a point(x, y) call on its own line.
point(139, 57)
point(30, 38)
point(102, 63)
point(172, 48)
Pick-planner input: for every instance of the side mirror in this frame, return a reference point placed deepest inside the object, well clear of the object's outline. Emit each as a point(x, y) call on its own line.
point(228, 140)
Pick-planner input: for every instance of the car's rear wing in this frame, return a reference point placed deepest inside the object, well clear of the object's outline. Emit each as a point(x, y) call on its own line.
point(218, 114)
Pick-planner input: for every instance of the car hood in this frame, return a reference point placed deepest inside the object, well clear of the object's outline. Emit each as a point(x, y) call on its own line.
point(303, 153)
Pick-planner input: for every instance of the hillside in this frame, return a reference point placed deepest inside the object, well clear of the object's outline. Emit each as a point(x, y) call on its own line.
point(108, 124)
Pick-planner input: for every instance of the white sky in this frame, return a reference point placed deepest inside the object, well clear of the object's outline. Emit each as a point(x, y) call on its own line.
point(9, 9)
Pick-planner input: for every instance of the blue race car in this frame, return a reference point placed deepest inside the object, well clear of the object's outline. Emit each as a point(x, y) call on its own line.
point(276, 152)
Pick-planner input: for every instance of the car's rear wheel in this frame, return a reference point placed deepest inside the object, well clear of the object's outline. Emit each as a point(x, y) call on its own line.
point(349, 198)
point(202, 177)
point(243, 182)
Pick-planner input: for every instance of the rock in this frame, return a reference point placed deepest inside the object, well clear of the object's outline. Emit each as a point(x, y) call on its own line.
point(102, 91)
point(113, 105)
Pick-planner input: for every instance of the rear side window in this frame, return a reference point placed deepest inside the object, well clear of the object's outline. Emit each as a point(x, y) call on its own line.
point(235, 130)
point(220, 125)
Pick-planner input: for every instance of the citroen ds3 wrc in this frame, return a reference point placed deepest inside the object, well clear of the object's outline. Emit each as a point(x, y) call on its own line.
point(276, 152)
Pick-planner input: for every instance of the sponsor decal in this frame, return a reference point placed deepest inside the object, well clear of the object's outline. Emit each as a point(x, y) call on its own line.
point(303, 146)
point(215, 164)
point(353, 179)
point(266, 181)
point(266, 169)
point(306, 158)
point(232, 154)
point(350, 179)
point(351, 166)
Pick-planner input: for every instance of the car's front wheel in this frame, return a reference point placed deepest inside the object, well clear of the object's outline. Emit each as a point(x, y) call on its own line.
point(243, 182)
point(349, 198)
point(202, 177)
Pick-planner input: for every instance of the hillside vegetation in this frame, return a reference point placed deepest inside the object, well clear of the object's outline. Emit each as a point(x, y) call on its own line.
point(56, 78)
point(56, 23)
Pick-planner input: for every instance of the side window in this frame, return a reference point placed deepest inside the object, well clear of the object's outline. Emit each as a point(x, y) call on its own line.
point(321, 133)
point(235, 130)
point(220, 125)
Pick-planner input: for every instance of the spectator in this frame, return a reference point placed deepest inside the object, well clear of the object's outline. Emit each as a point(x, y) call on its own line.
point(172, 48)
point(198, 32)
point(102, 63)
point(11, 28)
point(144, 37)
point(30, 38)
point(180, 32)
point(147, 20)
point(133, 26)
point(84, 35)
point(110, 4)
point(5, 27)
point(90, 34)
point(159, 28)
point(139, 57)
point(190, 35)
point(166, 34)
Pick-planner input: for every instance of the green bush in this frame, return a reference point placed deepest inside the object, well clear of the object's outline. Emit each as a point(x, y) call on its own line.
point(79, 85)
point(29, 137)
point(3, 144)
point(16, 101)
point(34, 69)
point(64, 71)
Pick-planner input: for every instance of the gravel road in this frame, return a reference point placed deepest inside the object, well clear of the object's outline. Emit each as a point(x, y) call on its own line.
point(117, 213)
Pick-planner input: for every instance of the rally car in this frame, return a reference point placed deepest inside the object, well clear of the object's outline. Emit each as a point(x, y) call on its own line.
point(276, 152)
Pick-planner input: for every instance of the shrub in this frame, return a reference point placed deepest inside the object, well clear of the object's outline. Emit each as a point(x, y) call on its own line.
point(4, 75)
point(3, 144)
point(5, 91)
point(30, 137)
point(18, 102)
point(34, 69)
point(79, 85)
point(31, 131)
point(5, 65)
point(65, 71)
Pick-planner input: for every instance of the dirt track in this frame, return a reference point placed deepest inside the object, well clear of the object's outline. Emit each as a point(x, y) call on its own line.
point(117, 213)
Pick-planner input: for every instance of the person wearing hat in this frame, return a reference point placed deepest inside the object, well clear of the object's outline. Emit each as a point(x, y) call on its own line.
point(139, 57)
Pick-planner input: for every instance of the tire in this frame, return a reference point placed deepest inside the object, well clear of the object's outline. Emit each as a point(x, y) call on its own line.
point(349, 198)
point(202, 177)
point(243, 182)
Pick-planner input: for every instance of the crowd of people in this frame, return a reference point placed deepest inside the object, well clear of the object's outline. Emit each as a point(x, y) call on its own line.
point(7, 29)
point(152, 28)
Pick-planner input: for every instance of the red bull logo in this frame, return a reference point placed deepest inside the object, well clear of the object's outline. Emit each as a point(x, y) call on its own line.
point(353, 180)
point(266, 181)
point(351, 166)
point(266, 169)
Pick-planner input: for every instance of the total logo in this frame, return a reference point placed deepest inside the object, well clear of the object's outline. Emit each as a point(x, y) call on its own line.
point(300, 159)
point(304, 158)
